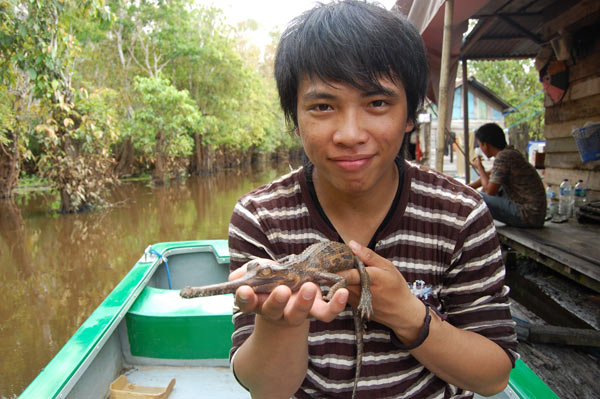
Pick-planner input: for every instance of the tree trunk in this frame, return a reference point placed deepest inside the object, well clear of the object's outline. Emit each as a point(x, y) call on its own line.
point(125, 158)
point(9, 165)
point(67, 204)
point(158, 176)
point(196, 161)
point(203, 159)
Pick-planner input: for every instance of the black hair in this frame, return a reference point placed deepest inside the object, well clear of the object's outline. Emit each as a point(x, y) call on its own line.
point(491, 134)
point(352, 42)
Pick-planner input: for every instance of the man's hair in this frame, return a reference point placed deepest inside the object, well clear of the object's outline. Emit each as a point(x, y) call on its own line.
point(491, 134)
point(350, 42)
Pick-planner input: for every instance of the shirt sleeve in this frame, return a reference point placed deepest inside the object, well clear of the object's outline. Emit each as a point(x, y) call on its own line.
point(501, 168)
point(474, 295)
point(247, 241)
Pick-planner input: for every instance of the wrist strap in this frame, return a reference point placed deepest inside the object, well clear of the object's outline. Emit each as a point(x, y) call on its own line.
point(423, 334)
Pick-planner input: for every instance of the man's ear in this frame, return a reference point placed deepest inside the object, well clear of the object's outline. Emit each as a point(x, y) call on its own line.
point(410, 125)
point(297, 130)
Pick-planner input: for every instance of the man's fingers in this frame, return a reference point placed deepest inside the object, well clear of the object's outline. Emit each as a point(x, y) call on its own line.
point(282, 306)
point(246, 299)
point(327, 311)
point(370, 257)
point(276, 302)
point(298, 309)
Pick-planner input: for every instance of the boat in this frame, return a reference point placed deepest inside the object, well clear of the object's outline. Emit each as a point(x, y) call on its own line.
point(145, 341)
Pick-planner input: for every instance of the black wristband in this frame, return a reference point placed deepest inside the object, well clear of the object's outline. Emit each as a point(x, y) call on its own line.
point(423, 334)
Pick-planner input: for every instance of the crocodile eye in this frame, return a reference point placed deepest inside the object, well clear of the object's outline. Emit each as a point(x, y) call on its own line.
point(265, 271)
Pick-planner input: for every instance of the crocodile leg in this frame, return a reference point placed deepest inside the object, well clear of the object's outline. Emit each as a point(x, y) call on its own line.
point(365, 305)
point(330, 278)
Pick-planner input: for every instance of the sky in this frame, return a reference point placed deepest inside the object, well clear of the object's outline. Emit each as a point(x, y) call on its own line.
point(268, 13)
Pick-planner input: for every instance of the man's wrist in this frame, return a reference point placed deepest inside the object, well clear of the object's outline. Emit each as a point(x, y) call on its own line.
point(408, 333)
point(421, 337)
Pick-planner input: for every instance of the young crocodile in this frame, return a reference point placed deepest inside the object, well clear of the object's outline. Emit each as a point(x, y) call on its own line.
point(317, 263)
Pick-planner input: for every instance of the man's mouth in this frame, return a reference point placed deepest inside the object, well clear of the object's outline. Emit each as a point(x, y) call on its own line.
point(352, 163)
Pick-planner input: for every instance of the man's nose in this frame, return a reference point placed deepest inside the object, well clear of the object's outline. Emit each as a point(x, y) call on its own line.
point(350, 130)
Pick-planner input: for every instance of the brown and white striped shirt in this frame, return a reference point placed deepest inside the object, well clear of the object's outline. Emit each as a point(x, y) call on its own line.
point(438, 231)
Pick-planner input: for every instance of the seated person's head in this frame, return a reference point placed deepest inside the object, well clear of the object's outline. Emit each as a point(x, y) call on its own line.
point(354, 43)
point(490, 134)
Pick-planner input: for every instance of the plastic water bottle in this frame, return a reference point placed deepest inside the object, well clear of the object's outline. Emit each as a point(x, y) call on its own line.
point(580, 193)
point(565, 199)
point(551, 202)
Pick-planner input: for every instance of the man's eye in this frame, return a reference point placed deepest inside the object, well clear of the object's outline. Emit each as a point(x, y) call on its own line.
point(378, 103)
point(322, 107)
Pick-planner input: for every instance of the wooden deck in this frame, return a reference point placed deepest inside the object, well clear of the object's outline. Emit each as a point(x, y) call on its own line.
point(540, 297)
point(571, 249)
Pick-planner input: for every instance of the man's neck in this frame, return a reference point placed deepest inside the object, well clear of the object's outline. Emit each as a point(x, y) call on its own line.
point(357, 216)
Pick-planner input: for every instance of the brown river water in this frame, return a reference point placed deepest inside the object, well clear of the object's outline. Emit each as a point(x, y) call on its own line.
point(56, 269)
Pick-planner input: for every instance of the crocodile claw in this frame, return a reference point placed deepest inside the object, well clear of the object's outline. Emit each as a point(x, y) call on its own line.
point(365, 307)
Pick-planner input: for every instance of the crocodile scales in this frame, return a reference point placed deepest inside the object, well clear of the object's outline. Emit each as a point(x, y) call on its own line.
point(318, 263)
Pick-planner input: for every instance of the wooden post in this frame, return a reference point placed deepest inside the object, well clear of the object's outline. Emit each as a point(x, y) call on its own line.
point(444, 84)
point(467, 142)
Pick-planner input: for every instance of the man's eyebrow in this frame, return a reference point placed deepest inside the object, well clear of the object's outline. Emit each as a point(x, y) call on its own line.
point(323, 95)
point(318, 95)
point(380, 91)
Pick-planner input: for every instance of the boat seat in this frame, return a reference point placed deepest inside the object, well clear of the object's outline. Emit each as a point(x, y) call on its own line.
point(161, 324)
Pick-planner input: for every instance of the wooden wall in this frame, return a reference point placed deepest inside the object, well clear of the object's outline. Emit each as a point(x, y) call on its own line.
point(580, 104)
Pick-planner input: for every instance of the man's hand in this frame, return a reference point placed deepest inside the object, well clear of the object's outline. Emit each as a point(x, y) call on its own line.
point(394, 305)
point(286, 308)
point(476, 162)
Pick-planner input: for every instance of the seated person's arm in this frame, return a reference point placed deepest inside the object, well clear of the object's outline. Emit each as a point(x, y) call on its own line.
point(491, 188)
point(484, 178)
point(475, 184)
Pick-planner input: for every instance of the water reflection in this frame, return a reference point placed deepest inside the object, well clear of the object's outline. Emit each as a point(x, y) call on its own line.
point(56, 269)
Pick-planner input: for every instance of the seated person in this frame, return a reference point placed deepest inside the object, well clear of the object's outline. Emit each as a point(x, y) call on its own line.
point(514, 191)
point(351, 77)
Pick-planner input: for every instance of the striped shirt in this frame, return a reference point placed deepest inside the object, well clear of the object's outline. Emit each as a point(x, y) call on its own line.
point(439, 231)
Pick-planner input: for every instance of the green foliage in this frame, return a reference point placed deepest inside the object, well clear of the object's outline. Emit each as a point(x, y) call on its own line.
point(515, 81)
point(77, 141)
point(7, 116)
point(162, 109)
point(155, 69)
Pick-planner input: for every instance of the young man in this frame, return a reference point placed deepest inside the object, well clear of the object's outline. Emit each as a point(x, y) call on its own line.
point(514, 192)
point(351, 76)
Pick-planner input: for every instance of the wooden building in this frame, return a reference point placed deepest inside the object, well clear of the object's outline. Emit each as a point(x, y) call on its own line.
point(484, 106)
point(564, 39)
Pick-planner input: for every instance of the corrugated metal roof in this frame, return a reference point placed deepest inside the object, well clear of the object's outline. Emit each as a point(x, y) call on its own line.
point(517, 28)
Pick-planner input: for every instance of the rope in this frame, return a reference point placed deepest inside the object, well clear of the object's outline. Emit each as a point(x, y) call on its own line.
point(164, 259)
point(526, 119)
point(513, 109)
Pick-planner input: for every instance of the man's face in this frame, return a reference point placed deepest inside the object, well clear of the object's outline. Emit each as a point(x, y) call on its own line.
point(484, 148)
point(350, 135)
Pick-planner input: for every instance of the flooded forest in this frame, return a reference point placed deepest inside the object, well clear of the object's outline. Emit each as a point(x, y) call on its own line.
point(122, 124)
